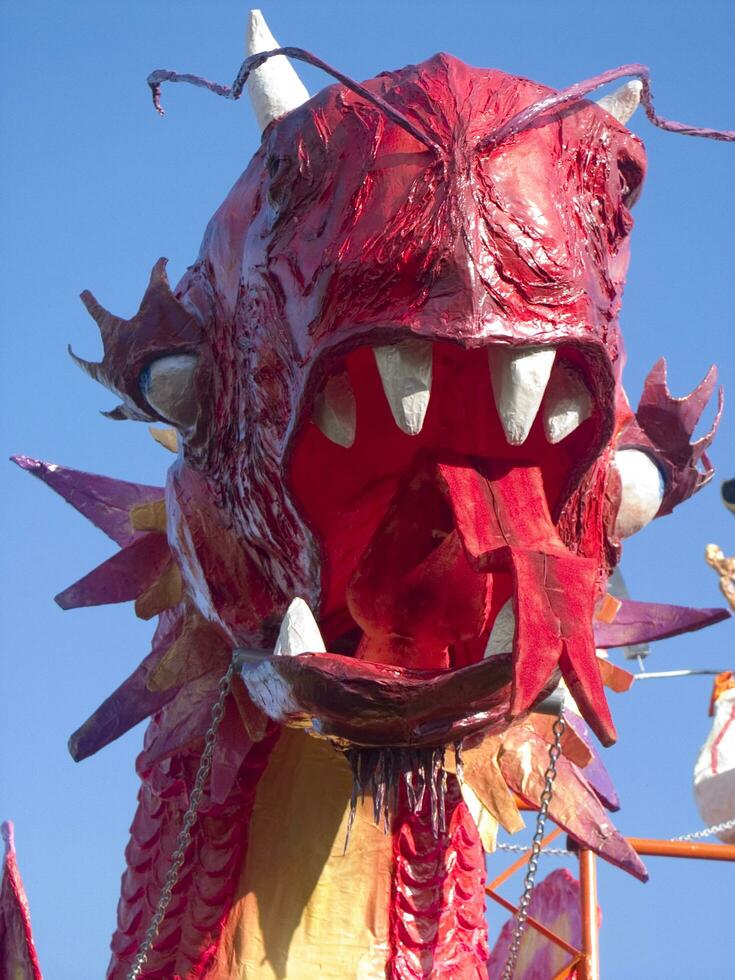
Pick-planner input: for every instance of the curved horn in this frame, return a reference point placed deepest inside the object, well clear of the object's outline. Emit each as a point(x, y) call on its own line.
point(274, 88)
point(623, 102)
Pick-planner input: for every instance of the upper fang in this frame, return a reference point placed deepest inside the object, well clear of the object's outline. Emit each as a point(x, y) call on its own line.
point(567, 404)
point(405, 370)
point(519, 377)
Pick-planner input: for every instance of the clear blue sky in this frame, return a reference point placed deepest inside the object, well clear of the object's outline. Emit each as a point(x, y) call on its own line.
point(95, 187)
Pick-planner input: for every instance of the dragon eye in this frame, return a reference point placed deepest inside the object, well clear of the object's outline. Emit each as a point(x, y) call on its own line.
point(166, 384)
point(641, 491)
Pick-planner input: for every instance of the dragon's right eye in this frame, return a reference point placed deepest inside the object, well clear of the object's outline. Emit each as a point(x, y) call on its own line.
point(641, 491)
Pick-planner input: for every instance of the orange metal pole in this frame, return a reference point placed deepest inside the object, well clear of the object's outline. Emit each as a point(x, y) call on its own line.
point(563, 974)
point(538, 926)
point(588, 899)
point(497, 882)
point(650, 847)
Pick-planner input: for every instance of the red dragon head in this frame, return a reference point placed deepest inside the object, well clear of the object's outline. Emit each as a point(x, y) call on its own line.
point(396, 372)
point(406, 464)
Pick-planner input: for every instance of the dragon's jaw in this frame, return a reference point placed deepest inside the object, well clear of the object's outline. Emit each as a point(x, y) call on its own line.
point(415, 581)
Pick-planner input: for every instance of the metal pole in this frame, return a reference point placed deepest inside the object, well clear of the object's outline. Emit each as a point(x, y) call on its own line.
point(650, 847)
point(588, 899)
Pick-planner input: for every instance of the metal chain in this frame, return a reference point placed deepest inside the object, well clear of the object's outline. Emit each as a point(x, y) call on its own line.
point(522, 848)
point(708, 831)
point(190, 817)
point(530, 878)
point(715, 829)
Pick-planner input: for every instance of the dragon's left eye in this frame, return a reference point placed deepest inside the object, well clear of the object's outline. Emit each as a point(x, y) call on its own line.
point(167, 385)
point(631, 180)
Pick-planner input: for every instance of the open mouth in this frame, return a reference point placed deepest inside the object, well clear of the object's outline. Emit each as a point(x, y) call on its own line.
point(434, 477)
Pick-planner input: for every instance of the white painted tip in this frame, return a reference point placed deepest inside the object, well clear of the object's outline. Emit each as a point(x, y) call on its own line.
point(335, 412)
point(503, 632)
point(519, 377)
point(624, 101)
point(299, 632)
point(641, 491)
point(405, 371)
point(274, 88)
point(567, 403)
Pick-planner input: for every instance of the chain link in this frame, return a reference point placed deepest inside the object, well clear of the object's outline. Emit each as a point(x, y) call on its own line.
point(530, 879)
point(190, 817)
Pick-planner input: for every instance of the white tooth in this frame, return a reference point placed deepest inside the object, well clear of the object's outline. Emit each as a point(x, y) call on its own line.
point(567, 404)
point(405, 370)
point(502, 633)
point(335, 412)
point(519, 379)
point(299, 632)
point(641, 491)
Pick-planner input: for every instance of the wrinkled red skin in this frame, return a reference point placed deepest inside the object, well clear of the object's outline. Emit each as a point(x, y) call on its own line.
point(345, 232)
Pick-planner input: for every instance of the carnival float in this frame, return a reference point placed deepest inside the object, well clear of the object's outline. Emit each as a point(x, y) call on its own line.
point(382, 565)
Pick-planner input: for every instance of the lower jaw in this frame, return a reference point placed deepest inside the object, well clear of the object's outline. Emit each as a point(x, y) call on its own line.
point(459, 538)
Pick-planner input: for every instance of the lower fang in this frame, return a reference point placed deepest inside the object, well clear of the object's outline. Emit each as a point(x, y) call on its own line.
point(503, 632)
point(299, 632)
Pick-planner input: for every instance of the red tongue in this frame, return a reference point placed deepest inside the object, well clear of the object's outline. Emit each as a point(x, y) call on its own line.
point(504, 523)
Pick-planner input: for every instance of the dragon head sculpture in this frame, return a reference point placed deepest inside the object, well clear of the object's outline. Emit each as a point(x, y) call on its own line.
point(406, 457)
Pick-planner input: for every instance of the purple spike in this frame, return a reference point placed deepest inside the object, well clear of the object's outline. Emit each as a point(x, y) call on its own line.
point(121, 578)
point(132, 701)
point(103, 501)
point(594, 772)
point(639, 622)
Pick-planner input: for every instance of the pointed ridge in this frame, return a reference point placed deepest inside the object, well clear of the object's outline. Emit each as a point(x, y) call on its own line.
point(122, 578)
point(132, 701)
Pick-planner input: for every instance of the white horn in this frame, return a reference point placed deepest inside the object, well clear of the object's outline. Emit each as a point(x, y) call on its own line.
point(274, 88)
point(623, 102)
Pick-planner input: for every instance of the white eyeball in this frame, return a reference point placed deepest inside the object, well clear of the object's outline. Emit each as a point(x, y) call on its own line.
point(166, 384)
point(641, 492)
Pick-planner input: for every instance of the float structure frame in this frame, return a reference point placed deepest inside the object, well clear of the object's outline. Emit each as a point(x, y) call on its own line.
point(587, 959)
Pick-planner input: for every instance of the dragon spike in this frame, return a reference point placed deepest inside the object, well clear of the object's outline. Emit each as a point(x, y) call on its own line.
point(106, 321)
point(664, 426)
point(624, 101)
point(92, 369)
point(274, 88)
point(670, 421)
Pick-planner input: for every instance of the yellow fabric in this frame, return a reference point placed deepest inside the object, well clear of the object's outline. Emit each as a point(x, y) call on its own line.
point(304, 910)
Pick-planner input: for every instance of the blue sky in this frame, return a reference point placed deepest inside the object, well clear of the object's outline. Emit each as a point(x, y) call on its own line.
point(95, 187)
